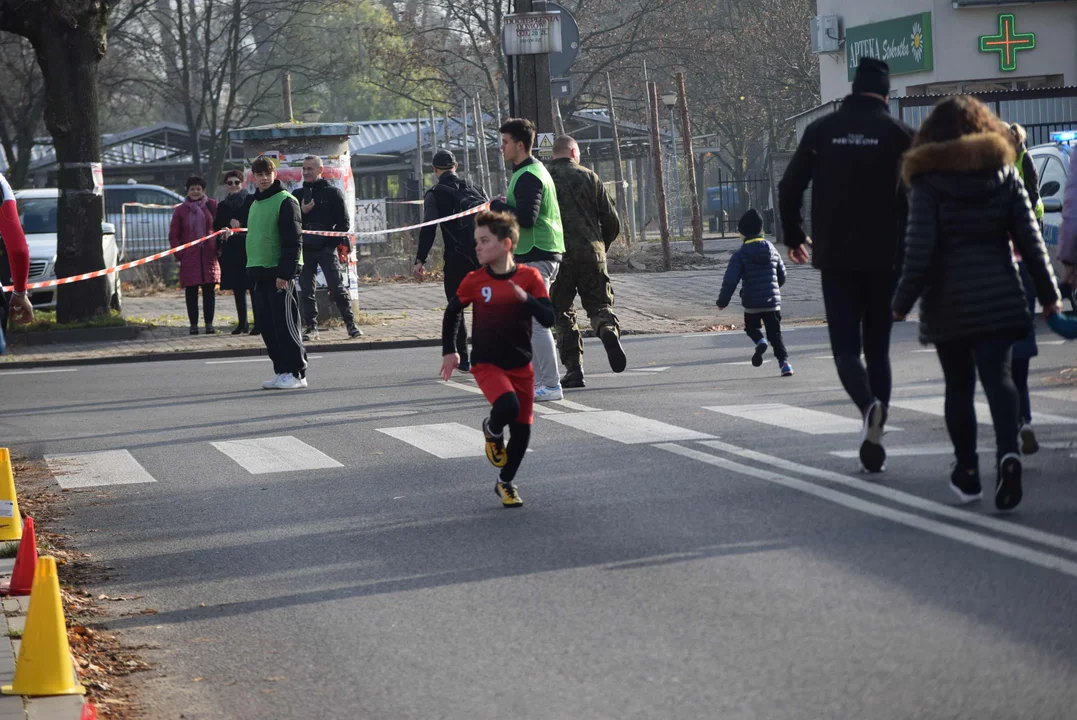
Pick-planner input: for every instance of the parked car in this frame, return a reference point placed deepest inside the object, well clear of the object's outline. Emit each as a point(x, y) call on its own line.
point(1052, 164)
point(142, 231)
point(38, 210)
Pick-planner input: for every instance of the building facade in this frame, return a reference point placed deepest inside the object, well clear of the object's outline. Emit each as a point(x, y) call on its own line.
point(945, 47)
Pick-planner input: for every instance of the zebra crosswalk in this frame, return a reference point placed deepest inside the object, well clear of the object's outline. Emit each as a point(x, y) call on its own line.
point(452, 438)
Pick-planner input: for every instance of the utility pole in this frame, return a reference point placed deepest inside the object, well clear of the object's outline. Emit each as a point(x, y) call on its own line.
point(433, 134)
point(533, 92)
point(419, 154)
point(690, 159)
point(659, 186)
point(286, 91)
point(481, 147)
point(445, 130)
point(618, 170)
point(467, 146)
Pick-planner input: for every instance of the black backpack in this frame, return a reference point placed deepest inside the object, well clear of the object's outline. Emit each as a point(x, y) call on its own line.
point(465, 196)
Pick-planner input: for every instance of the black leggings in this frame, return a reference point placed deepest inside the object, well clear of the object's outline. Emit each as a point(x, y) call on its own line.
point(859, 317)
point(960, 361)
point(502, 414)
point(1020, 381)
point(209, 302)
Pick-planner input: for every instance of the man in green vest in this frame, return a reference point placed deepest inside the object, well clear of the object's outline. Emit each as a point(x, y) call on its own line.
point(274, 257)
point(532, 198)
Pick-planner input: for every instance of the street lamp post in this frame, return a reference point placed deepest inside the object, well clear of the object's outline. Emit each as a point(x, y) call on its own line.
point(670, 101)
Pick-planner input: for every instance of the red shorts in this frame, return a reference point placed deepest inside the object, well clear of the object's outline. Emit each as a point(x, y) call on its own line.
point(495, 382)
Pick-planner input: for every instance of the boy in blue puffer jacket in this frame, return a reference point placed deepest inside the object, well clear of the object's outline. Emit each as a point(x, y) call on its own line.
point(762, 271)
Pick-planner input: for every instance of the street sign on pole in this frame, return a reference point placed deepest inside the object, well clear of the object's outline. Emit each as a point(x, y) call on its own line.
point(544, 146)
point(561, 87)
point(560, 62)
point(532, 33)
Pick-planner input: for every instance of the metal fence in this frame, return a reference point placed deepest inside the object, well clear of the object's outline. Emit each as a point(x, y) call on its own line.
point(143, 228)
point(732, 196)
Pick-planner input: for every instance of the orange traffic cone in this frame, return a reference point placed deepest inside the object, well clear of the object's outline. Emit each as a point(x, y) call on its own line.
point(44, 664)
point(22, 577)
point(10, 520)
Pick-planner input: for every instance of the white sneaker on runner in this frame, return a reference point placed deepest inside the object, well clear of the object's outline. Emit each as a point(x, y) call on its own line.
point(546, 394)
point(288, 381)
point(271, 384)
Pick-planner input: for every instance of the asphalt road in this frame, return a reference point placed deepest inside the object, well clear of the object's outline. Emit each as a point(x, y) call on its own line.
point(672, 561)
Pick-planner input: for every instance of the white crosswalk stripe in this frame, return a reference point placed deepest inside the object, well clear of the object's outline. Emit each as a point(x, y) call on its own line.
point(790, 417)
point(935, 405)
point(627, 428)
point(93, 469)
point(443, 440)
point(261, 456)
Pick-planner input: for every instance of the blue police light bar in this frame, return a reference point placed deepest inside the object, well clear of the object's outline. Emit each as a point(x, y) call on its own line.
point(1066, 136)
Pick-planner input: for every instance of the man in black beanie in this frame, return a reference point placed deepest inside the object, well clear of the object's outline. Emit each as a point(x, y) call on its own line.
point(852, 159)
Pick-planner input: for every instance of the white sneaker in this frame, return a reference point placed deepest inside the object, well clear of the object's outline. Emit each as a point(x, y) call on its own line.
point(288, 381)
point(546, 394)
point(271, 384)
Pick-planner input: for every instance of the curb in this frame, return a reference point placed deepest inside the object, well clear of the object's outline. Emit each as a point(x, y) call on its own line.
point(215, 354)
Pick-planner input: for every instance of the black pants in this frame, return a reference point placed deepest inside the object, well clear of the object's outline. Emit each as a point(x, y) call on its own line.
point(753, 324)
point(1020, 382)
point(209, 303)
point(279, 322)
point(859, 319)
point(241, 307)
point(960, 361)
point(327, 259)
point(455, 273)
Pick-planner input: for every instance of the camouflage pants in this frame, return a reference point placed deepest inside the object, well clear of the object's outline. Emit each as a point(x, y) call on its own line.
point(586, 275)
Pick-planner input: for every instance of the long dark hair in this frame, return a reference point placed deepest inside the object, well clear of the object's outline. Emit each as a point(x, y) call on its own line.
point(956, 117)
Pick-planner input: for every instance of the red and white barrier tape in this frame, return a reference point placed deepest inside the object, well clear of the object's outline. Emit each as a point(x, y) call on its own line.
point(173, 251)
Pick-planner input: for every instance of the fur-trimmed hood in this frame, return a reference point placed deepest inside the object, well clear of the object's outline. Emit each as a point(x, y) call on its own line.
point(977, 153)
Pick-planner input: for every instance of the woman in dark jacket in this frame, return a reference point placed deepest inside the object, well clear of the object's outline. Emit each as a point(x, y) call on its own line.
point(966, 203)
point(232, 213)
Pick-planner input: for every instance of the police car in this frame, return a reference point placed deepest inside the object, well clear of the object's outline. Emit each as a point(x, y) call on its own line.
point(1052, 166)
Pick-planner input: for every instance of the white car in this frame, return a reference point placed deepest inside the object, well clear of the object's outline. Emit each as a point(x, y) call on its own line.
point(1052, 165)
point(38, 214)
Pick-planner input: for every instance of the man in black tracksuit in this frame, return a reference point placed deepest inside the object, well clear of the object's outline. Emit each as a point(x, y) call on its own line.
point(323, 208)
point(458, 235)
point(852, 158)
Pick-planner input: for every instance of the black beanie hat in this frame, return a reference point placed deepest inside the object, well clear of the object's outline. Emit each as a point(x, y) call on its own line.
point(872, 76)
point(751, 224)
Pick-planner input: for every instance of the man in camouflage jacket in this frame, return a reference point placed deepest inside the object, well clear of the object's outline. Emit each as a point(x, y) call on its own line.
point(591, 225)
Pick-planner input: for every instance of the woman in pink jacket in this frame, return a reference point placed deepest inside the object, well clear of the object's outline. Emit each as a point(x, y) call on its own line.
point(198, 265)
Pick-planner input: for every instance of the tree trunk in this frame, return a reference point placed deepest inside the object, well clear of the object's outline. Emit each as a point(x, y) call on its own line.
point(68, 53)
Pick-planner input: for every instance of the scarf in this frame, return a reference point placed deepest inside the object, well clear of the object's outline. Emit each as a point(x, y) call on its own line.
point(235, 201)
point(196, 218)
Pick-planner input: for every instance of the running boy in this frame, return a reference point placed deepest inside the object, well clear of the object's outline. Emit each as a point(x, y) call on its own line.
point(760, 266)
point(507, 297)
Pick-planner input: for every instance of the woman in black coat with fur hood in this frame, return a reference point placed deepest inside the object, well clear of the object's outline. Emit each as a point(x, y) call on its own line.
point(966, 203)
point(232, 213)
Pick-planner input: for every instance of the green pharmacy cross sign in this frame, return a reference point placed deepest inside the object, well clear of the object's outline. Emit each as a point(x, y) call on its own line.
point(1007, 43)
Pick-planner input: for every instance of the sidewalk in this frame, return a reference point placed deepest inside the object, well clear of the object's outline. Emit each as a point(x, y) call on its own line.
point(408, 314)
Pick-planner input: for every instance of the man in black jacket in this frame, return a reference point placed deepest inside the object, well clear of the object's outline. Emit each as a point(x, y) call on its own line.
point(852, 158)
point(443, 200)
point(324, 209)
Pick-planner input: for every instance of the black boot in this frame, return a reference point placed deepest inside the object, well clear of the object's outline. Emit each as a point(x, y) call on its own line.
point(573, 378)
point(616, 354)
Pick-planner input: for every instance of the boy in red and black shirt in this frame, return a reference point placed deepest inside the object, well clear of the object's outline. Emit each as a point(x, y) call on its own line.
point(507, 297)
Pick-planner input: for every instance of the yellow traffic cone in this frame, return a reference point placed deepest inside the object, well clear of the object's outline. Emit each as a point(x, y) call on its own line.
point(44, 664)
point(10, 519)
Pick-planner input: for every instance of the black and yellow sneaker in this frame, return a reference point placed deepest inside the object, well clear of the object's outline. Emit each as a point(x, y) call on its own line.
point(495, 446)
point(509, 497)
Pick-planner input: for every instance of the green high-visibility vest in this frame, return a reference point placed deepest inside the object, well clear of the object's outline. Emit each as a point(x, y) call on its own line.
point(1038, 209)
point(547, 234)
point(263, 231)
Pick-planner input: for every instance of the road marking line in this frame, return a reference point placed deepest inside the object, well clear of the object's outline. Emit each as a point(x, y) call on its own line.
point(443, 440)
point(252, 360)
point(1000, 526)
point(651, 369)
point(823, 357)
point(541, 410)
point(37, 372)
point(574, 406)
point(935, 405)
point(745, 362)
point(627, 428)
point(1060, 394)
point(93, 469)
point(261, 456)
point(1052, 342)
point(927, 450)
point(968, 537)
point(538, 409)
point(791, 417)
